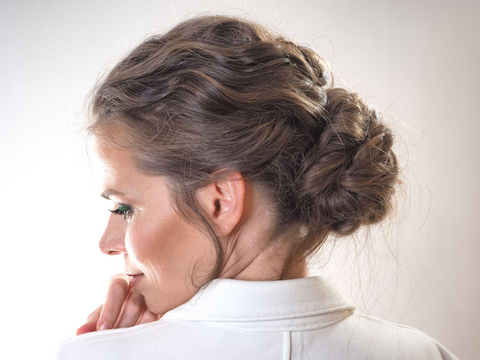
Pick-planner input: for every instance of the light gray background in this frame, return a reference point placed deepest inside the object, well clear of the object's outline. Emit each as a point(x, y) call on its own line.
point(416, 60)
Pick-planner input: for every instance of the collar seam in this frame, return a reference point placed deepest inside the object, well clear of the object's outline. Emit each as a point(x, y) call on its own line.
point(264, 318)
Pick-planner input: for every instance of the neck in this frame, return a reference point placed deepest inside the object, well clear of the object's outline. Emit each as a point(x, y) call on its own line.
point(299, 270)
point(244, 263)
point(247, 255)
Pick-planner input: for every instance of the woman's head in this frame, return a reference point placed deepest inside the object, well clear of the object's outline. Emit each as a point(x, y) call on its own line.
point(217, 98)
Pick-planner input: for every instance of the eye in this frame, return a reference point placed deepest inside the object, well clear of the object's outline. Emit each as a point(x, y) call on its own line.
point(122, 209)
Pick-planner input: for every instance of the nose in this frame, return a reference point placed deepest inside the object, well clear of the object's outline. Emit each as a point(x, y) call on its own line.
point(112, 241)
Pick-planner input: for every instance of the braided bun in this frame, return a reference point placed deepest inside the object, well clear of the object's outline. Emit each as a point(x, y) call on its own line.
point(350, 174)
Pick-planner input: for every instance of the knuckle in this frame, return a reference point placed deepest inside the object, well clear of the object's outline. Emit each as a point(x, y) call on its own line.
point(118, 286)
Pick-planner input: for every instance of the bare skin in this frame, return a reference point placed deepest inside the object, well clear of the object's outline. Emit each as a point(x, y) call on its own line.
point(242, 222)
point(124, 307)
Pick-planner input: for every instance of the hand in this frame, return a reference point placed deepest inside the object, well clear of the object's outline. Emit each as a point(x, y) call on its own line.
point(123, 307)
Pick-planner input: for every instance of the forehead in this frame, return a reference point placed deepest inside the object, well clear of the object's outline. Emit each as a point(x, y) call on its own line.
point(116, 166)
point(120, 175)
point(113, 157)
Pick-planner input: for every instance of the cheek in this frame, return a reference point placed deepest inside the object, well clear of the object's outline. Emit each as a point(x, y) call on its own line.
point(169, 247)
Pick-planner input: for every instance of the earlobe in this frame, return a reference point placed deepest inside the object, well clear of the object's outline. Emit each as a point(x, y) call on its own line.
point(223, 201)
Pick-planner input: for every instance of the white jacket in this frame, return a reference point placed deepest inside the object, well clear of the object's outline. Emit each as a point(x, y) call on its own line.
point(234, 319)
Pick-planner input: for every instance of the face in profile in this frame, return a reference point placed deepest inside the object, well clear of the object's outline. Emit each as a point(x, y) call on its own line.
point(159, 248)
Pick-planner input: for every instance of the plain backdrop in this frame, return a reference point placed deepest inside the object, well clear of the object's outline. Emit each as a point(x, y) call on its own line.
point(415, 60)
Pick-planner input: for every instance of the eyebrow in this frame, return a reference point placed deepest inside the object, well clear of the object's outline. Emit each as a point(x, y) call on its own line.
point(110, 192)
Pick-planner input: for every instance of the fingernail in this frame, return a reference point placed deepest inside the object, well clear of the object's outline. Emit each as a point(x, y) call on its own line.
point(104, 326)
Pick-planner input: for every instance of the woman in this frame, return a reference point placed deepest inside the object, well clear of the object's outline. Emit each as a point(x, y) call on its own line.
point(229, 157)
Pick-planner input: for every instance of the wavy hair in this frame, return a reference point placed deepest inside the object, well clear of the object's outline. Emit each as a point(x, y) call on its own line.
point(217, 94)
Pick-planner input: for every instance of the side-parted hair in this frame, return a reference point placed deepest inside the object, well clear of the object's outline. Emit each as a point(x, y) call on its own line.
point(217, 94)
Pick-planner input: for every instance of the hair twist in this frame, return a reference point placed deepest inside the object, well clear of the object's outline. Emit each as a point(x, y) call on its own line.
point(350, 173)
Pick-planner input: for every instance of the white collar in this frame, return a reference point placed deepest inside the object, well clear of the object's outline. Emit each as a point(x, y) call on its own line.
point(310, 301)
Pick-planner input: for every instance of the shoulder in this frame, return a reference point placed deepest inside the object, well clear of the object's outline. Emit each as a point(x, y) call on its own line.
point(166, 339)
point(384, 337)
point(141, 341)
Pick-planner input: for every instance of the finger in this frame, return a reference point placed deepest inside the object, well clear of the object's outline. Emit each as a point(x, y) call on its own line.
point(148, 316)
point(132, 310)
point(116, 295)
point(91, 322)
point(86, 328)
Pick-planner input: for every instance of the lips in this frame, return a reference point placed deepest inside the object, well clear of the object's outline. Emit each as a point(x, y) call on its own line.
point(136, 278)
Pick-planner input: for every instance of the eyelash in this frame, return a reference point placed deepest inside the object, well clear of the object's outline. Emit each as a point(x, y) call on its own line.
point(125, 212)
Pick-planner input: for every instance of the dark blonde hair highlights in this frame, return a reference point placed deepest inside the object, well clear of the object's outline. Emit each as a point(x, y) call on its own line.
point(218, 94)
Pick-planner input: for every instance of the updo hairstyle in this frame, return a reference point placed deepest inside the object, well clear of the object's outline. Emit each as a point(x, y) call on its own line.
point(218, 94)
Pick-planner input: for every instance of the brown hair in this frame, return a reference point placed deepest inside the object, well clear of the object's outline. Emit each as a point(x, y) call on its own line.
point(217, 94)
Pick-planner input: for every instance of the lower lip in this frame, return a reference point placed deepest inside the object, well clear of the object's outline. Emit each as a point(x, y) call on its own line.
point(136, 279)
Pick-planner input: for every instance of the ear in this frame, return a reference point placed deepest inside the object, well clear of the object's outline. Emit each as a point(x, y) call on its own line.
point(223, 201)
